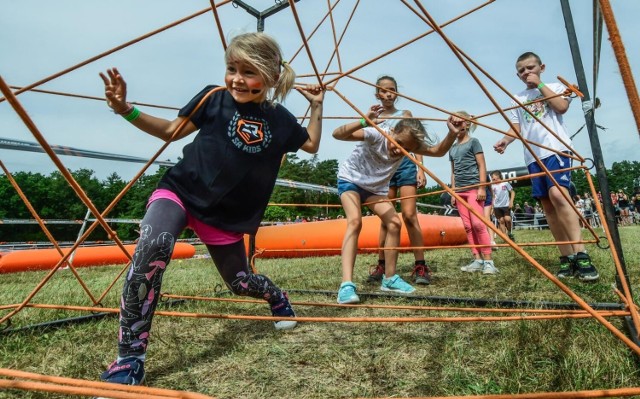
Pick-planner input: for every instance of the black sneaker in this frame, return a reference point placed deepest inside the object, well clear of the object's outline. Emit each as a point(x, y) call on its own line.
point(421, 274)
point(511, 236)
point(566, 268)
point(283, 308)
point(376, 273)
point(584, 269)
point(129, 371)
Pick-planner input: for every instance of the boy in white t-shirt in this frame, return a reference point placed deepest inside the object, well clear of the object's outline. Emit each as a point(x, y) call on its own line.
point(503, 196)
point(540, 99)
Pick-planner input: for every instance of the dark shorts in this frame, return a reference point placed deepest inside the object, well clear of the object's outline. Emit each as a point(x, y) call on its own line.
point(344, 186)
point(502, 212)
point(541, 185)
point(489, 199)
point(406, 174)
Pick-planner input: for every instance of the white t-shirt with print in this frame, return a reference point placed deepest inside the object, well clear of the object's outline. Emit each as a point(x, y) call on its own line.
point(369, 166)
point(535, 132)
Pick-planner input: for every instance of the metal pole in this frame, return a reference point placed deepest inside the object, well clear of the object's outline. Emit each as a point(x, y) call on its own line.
point(589, 115)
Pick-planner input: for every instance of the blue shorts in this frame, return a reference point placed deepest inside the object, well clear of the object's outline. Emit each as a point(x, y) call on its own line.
point(541, 185)
point(489, 199)
point(406, 174)
point(344, 186)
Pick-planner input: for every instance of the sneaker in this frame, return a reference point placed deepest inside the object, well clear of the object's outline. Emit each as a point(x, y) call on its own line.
point(584, 269)
point(421, 274)
point(376, 273)
point(347, 293)
point(511, 237)
point(566, 268)
point(396, 284)
point(283, 308)
point(489, 268)
point(475, 266)
point(128, 371)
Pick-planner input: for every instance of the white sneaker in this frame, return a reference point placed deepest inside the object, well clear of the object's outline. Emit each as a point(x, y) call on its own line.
point(475, 266)
point(489, 268)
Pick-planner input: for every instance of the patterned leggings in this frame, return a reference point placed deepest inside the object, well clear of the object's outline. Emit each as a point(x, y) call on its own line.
point(161, 225)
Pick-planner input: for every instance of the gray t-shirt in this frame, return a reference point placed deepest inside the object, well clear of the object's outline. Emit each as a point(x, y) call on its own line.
point(465, 166)
point(369, 166)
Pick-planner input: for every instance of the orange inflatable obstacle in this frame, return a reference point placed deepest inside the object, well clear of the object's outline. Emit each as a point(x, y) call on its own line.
point(325, 237)
point(45, 259)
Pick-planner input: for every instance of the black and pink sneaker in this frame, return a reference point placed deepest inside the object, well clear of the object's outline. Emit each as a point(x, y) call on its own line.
point(128, 371)
point(283, 308)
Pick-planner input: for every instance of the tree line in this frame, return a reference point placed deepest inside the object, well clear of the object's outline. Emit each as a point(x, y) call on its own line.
point(53, 198)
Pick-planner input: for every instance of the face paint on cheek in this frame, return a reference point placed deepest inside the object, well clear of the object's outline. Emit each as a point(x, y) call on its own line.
point(256, 88)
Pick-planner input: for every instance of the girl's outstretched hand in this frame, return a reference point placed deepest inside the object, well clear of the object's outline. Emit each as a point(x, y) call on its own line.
point(115, 90)
point(455, 124)
point(313, 93)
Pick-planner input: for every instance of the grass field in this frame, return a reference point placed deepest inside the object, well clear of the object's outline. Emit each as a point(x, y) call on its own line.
point(249, 359)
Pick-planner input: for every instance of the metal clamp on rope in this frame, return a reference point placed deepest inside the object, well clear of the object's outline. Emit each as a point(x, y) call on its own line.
point(587, 106)
point(601, 240)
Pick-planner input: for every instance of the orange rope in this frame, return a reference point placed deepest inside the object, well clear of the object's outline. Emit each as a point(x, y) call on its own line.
point(113, 50)
point(601, 393)
point(621, 57)
point(73, 386)
point(457, 319)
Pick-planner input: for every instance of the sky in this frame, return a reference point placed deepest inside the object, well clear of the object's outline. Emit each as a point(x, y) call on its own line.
point(39, 39)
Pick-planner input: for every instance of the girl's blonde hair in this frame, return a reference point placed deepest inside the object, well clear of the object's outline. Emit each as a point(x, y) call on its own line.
point(263, 52)
point(466, 115)
point(415, 128)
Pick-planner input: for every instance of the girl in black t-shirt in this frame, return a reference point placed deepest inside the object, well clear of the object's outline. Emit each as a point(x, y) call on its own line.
point(220, 188)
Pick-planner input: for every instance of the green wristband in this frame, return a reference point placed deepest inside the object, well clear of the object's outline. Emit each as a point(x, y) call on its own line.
point(540, 86)
point(133, 115)
point(363, 122)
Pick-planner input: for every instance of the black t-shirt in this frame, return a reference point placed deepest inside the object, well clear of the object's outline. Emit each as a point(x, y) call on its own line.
point(227, 173)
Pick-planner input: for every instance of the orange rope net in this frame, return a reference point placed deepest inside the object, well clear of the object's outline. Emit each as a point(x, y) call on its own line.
point(330, 79)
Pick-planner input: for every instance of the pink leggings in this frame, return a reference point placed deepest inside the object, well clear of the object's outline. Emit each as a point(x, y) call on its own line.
point(475, 228)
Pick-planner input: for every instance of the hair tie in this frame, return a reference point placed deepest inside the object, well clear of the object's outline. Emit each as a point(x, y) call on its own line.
point(283, 62)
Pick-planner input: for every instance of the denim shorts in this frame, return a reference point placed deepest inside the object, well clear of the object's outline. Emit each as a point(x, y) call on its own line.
point(541, 185)
point(406, 174)
point(344, 186)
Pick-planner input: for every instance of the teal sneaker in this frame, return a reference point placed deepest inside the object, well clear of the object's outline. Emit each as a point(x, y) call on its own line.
point(347, 293)
point(566, 268)
point(396, 284)
point(584, 269)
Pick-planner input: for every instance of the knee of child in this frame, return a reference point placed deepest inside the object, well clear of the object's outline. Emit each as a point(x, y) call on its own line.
point(394, 225)
point(410, 219)
point(354, 224)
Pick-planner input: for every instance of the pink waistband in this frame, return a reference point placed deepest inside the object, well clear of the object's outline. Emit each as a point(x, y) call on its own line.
point(207, 233)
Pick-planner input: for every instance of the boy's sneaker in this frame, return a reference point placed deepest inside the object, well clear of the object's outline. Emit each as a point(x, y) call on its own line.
point(511, 236)
point(421, 274)
point(283, 308)
point(584, 269)
point(566, 268)
point(376, 273)
point(347, 293)
point(475, 266)
point(396, 284)
point(489, 267)
point(128, 371)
